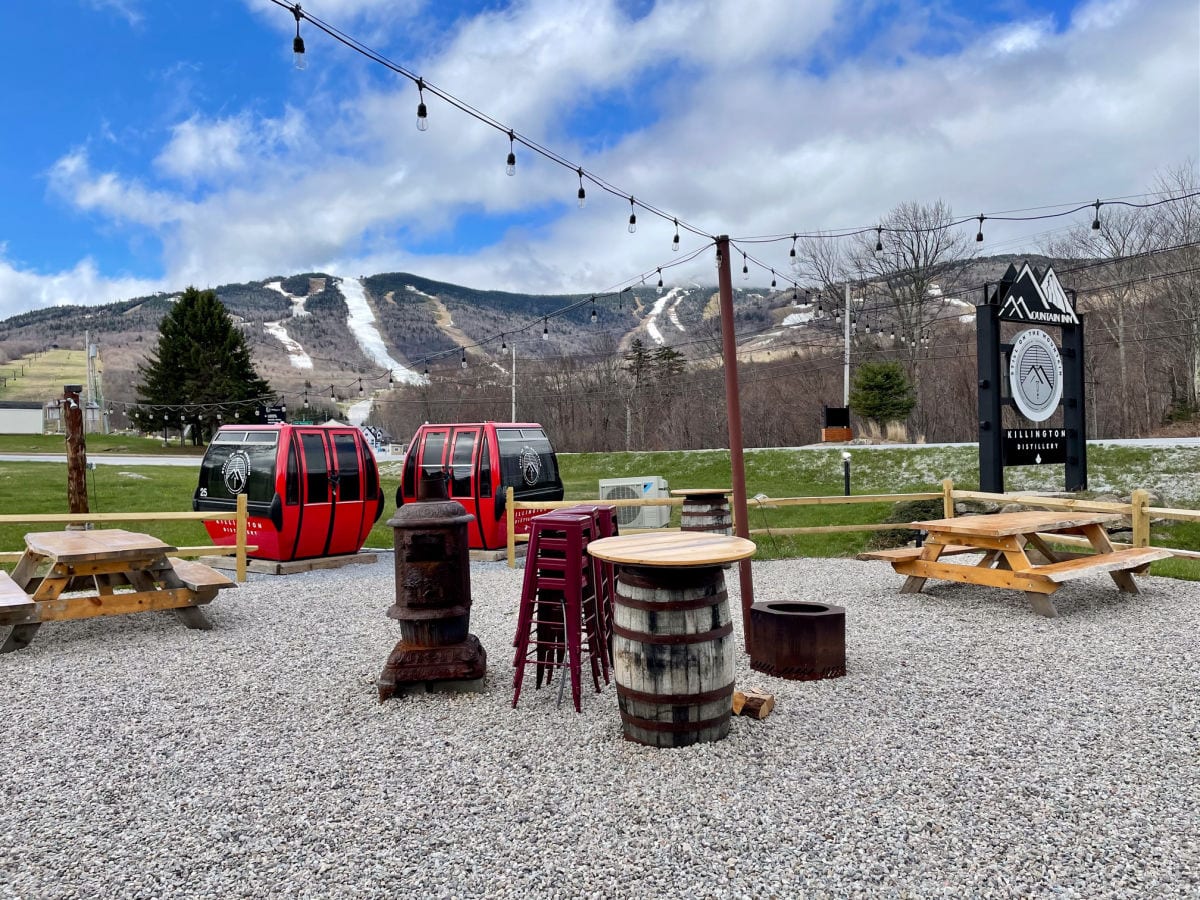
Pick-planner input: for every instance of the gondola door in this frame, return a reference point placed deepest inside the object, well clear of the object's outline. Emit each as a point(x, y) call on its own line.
point(349, 509)
point(462, 477)
point(316, 516)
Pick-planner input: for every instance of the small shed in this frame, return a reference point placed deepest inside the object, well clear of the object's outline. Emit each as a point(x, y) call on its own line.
point(19, 417)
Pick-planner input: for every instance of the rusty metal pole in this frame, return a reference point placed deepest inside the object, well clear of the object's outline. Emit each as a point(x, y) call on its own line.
point(72, 414)
point(733, 408)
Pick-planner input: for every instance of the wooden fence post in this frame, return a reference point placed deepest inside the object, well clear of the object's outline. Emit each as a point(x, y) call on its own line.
point(948, 498)
point(1140, 519)
point(241, 537)
point(510, 518)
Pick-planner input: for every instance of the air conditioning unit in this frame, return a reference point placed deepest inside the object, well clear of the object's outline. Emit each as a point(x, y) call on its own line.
point(651, 486)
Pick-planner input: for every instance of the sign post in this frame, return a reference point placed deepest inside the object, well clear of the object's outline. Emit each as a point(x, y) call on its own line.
point(1033, 376)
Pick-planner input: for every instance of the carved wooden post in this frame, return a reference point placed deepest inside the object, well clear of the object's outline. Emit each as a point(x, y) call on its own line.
point(72, 413)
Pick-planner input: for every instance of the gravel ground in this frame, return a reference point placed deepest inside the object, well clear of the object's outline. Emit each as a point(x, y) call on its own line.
point(973, 749)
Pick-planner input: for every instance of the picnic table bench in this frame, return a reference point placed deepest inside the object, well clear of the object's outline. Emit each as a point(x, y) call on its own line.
point(1004, 539)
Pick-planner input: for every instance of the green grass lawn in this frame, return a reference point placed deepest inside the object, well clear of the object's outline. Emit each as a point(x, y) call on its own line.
point(41, 487)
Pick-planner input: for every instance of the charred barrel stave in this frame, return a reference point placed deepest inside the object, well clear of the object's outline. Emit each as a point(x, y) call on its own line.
point(798, 641)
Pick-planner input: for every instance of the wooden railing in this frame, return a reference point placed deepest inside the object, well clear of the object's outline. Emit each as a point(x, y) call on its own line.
point(238, 550)
point(1138, 510)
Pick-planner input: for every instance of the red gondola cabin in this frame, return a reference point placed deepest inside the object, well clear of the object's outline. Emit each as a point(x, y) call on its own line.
point(311, 490)
point(483, 459)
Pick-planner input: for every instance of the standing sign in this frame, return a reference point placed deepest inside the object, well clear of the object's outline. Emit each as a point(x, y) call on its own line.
point(1034, 376)
point(272, 415)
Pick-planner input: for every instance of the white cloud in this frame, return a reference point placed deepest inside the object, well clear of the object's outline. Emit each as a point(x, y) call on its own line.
point(1024, 37)
point(199, 150)
point(84, 284)
point(110, 195)
point(746, 140)
point(129, 10)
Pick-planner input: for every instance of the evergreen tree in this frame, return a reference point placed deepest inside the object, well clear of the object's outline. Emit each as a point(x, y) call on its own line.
point(882, 392)
point(201, 358)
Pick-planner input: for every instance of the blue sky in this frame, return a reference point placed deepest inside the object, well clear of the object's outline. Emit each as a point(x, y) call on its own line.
point(156, 144)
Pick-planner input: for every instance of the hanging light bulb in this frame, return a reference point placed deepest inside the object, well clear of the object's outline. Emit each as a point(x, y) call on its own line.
point(659, 289)
point(391, 380)
point(979, 234)
point(1096, 220)
point(793, 259)
point(582, 192)
point(422, 113)
point(463, 361)
point(632, 217)
point(866, 326)
point(510, 167)
point(298, 42)
point(772, 278)
point(332, 395)
point(893, 334)
point(594, 311)
point(675, 240)
point(360, 387)
point(426, 365)
point(878, 240)
point(503, 342)
point(795, 295)
point(745, 269)
point(305, 401)
point(545, 330)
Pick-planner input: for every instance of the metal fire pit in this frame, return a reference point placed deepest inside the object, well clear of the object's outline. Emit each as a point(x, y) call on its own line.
point(798, 641)
point(433, 595)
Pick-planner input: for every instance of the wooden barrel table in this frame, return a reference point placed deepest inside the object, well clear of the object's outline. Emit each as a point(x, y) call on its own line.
point(672, 634)
point(705, 509)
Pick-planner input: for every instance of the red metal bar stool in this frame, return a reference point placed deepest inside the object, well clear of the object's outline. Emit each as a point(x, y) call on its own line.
point(558, 616)
point(605, 520)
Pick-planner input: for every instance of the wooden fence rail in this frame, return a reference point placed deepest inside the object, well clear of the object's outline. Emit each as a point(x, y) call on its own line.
point(1138, 510)
point(239, 549)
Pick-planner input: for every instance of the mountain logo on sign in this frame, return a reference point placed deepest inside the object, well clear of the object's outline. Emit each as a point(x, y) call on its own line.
point(1032, 297)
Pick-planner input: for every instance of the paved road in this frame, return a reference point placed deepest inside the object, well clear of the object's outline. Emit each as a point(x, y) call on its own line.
point(112, 459)
point(118, 459)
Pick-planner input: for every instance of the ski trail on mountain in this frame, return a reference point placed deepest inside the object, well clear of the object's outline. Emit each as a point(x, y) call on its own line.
point(361, 322)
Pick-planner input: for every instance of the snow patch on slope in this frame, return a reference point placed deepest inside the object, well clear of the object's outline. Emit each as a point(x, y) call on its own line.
point(361, 321)
point(674, 297)
point(295, 352)
point(296, 301)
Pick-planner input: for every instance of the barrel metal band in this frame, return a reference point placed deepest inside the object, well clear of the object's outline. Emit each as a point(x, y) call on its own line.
point(674, 727)
point(699, 638)
point(708, 578)
point(676, 699)
point(670, 605)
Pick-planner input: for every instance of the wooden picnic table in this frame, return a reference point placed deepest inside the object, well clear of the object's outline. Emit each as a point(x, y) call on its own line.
point(1004, 539)
point(102, 572)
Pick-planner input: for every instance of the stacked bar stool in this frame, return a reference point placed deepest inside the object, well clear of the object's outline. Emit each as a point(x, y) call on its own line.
point(561, 613)
point(605, 520)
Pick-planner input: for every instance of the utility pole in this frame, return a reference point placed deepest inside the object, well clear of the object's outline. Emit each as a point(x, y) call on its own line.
point(733, 408)
point(846, 366)
point(514, 382)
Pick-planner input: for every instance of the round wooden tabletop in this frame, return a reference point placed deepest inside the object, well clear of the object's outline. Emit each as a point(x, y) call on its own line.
point(678, 549)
